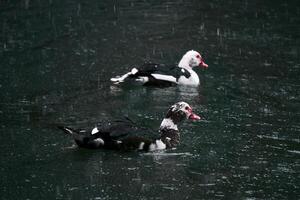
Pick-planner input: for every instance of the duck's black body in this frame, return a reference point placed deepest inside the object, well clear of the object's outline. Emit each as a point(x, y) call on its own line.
point(118, 135)
point(126, 135)
point(122, 140)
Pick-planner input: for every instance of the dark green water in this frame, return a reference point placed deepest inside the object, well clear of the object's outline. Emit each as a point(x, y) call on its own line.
point(56, 59)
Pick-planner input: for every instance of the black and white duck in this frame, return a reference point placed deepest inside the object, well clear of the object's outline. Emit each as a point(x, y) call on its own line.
point(162, 75)
point(119, 134)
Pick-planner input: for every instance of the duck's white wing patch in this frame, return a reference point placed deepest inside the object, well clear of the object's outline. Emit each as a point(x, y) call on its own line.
point(152, 147)
point(95, 130)
point(164, 77)
point(99, 141)
point(158, 145)
point(142, 79)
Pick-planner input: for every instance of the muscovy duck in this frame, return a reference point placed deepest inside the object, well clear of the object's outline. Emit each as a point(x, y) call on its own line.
point(119, 136)
point(162, 75)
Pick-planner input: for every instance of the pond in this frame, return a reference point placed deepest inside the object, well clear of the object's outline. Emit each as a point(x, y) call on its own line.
point(57, 58)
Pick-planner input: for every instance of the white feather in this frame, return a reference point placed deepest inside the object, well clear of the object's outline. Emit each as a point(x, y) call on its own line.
point(94, 131)
point(99, 140)
point(141, 146)
point(122, 78)
point(152, 147)
point(168, 123)
point(134, 71)
point(142, 79)
point(160, 145)
point(164, 77)
point(69, 130)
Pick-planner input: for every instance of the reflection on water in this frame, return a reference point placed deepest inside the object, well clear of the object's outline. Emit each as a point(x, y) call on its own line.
point(57, 58)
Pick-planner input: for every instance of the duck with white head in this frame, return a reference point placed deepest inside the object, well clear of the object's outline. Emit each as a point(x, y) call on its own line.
point(162, 75)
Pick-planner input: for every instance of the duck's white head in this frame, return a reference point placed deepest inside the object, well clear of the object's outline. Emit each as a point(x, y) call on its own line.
point(192, 59)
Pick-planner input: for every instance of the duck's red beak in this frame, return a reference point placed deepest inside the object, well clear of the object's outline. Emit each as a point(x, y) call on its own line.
point(203, 64)
point(193, 116)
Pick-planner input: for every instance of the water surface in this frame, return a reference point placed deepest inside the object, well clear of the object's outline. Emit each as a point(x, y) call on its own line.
point(56, 61)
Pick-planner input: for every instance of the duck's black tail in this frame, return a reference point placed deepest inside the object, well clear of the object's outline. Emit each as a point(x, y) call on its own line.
point(67, 130)
point(81, 140)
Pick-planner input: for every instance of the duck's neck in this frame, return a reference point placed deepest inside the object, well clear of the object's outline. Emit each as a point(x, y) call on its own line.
point(185, 63)
point(168, 123)
point(169, 133)
point(170, 137)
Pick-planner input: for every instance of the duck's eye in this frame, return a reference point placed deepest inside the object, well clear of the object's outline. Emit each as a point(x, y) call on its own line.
point(198, 56)
point(186, 108)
